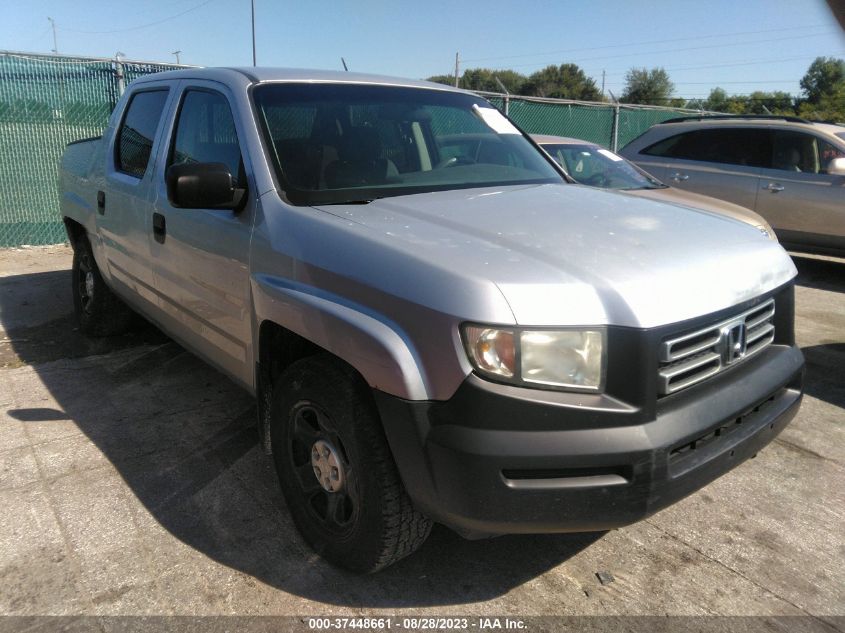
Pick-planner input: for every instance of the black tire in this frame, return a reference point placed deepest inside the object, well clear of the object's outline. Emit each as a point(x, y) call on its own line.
point(368, 522)
point(98, 310)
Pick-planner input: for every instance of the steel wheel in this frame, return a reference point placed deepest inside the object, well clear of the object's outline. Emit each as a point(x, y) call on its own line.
point(336, 470)
point(99, 311)
point(85, 283)
point(324, 474)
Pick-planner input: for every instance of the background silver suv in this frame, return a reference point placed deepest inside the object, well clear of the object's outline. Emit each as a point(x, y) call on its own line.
point(790, 171)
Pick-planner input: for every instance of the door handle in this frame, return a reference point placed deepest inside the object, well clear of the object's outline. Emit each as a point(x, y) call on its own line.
point(775, 187)
point(159, 227)
point(678, 176)
point(101, 202)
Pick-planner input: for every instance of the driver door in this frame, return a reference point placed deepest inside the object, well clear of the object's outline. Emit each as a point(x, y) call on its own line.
point(202, 255)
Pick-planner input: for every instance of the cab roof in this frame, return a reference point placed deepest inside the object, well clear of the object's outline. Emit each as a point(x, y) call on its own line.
point(260, 74)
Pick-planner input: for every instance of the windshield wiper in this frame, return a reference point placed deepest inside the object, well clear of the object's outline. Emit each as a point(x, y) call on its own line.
point(361, 201)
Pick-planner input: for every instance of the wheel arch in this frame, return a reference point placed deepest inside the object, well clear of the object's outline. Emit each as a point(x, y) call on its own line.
point(75, 231)
point(298, 321)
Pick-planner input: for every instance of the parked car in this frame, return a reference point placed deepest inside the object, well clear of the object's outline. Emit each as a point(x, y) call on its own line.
point(429, 337)
point(593, 165)
point(789, 170)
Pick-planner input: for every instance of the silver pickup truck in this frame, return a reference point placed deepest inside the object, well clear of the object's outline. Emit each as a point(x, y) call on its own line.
point(432, 333)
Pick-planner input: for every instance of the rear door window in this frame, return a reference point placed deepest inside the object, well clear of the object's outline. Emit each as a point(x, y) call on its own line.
point(138, 131)
point(734, 146)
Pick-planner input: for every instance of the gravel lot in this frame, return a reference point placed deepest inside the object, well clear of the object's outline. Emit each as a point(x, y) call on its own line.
point(131, 484)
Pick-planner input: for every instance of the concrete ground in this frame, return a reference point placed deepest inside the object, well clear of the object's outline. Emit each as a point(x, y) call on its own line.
point(131, 484)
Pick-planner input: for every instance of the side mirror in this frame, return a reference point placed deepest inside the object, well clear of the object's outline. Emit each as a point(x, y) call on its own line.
point(202, 186)
point(836, 167)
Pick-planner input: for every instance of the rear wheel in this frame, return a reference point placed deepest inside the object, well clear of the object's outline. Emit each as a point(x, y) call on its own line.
point(99, 311)
point(336, 471)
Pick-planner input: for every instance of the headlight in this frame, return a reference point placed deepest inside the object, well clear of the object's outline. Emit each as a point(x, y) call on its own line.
point(559, 359)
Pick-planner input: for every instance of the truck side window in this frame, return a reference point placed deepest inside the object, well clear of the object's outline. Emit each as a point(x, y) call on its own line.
point(138, 130)
point(205, 133)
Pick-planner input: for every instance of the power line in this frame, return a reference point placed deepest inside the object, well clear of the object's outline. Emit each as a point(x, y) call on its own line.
point(677, 50)
point(641, 43)
point(717, 82)
point(730, 96)
point(729, 65)
point(142, 26)
point(38, 38)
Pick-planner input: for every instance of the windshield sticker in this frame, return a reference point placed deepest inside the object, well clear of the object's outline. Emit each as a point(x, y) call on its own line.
point(494, 119)
point(610, 155)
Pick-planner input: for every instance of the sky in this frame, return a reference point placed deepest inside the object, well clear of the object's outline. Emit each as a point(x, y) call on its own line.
point(739, 45)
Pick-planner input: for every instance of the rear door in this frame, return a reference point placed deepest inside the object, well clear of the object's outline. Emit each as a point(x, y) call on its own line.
point(202, 255)
point(722, 162)
point(125, 203)
point(804, 203)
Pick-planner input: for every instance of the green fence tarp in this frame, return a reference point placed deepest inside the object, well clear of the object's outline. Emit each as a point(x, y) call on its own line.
point(45, 103)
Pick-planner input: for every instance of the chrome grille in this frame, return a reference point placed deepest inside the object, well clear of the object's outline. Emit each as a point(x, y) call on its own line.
point(690, 358)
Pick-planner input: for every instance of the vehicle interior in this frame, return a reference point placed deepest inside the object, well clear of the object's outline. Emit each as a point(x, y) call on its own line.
point(342, 137)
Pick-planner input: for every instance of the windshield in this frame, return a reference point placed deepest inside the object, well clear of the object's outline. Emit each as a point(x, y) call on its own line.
point(344, 143)
point(597, 167)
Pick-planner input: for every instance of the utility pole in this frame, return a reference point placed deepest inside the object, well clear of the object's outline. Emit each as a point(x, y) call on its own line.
point(253, 31)
point(345, 67)
point(614, 141)
point(457, 68)
point(118, 73)
point(602, 84)
point(55, 42)
point(507, 94)
point(178, 61)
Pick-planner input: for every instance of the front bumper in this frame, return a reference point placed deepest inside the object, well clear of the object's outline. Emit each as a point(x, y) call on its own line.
point(499, 459)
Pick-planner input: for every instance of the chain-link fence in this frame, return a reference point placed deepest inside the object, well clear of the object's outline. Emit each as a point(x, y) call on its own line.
point(47, 101)
point(608, 124)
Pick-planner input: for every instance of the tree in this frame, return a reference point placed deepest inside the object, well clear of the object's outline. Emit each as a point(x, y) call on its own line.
point(831, 107)
point(647, 86)
point(777, 102)
point(448, 80)
point(717, 101)
point(566, 81)
point(823, 78)
point(758, 102)
point(484, 79)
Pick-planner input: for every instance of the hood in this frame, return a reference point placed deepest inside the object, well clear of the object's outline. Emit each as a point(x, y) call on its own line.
point(573, 255)
point(703, 203)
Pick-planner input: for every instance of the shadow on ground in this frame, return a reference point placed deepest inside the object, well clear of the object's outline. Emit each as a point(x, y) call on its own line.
point(33, 337)
point(821, 274)
point(825, 364)
point(182, 438)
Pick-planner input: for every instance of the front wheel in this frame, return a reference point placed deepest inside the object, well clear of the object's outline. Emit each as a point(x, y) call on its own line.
point(336, 470)
point(98, 310)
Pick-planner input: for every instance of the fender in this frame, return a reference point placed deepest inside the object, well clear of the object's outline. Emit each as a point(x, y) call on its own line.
point(371, 343)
